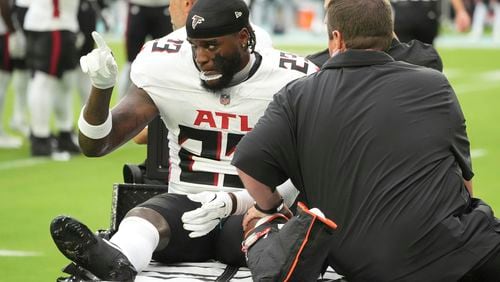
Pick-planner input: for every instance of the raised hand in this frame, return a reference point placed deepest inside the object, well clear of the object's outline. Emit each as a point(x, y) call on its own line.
point(100, 64)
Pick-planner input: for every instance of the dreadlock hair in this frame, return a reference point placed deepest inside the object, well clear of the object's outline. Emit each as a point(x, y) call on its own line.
point(252, 39)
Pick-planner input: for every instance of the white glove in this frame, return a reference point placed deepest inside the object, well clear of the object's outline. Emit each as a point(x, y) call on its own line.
point(17, 45)
point(100, 64)
point(214, 207)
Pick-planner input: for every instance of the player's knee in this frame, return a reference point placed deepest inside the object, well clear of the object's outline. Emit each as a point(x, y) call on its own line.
point(157, 220)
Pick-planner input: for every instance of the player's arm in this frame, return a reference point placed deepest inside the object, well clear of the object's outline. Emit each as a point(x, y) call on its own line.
point(127, 119)
point(462, 18)
point(265, 197)
point(101, 130)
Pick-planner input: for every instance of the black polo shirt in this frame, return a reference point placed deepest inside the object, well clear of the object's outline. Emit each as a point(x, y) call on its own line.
point(380, 147)
point(413, 52)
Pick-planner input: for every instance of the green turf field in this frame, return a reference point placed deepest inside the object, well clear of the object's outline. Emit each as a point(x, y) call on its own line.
point(33, 191)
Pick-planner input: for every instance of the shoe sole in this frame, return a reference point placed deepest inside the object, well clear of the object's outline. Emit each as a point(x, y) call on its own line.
point(72, 238)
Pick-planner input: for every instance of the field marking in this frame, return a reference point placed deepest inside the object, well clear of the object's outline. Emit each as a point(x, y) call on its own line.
point(478, 83)
point(477, 153)
point(493, 75)
point(14, 253)
point(22, 163)
point(462, 89)
point(57, 157)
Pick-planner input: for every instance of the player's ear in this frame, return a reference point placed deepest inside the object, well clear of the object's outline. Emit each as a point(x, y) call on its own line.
point(243, 37)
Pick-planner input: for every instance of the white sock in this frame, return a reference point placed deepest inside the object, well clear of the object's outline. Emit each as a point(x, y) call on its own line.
point(137, 238)
point(63, 103)
point(480, 13)
point(124, 81)
point(4, 83)
point(20, 85)
point(40, 95)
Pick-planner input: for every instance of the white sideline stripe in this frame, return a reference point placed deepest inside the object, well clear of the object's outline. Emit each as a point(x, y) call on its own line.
point(22, 163)
point(462, 89)
point(493, 75)
point(14, 253)
point(477, 153)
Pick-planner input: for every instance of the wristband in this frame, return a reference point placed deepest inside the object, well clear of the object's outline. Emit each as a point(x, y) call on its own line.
point(95, 131)
point(273, 210)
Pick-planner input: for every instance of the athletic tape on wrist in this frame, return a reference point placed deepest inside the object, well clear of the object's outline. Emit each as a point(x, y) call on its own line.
point(95, 131)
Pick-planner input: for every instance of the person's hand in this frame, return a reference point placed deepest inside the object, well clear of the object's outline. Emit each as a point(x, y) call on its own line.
point(100, 64)
point(214, 207)
point(17, 45)
point(462, 21)
point(251, 218)
point(253, 215)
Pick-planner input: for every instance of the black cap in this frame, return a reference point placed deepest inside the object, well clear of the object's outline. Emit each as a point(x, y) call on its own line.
point(213, 18)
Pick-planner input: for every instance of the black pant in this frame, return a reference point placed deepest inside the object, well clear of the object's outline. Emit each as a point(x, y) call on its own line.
point(416, 20)
point(488, 270)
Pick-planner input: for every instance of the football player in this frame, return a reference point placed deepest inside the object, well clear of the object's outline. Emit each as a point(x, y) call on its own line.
point(51, 55)
point(210, 89)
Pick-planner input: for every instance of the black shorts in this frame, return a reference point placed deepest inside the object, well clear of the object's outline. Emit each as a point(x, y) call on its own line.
point(5, 62)
point(52, 52)
point(143, 22)
point(87, 19)
point(223, 243)
point(19, 15)
point(416, 20)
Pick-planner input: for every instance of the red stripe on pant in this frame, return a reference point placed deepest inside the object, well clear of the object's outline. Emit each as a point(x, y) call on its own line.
point(56, 11)
point(56, 52)
point(6, 55)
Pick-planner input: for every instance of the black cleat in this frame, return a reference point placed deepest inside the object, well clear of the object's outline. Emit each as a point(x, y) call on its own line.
point(41, 146)
point(98, 256)
point(65, 143)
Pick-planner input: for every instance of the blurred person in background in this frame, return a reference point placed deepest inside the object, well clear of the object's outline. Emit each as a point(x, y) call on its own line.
point(7, 34)
point(20, 73)
point(146, 18)
point(87, 20)
point(52, 28)
point(274, 15)
point(480, 16)
point(89, 13)
point(419, 19)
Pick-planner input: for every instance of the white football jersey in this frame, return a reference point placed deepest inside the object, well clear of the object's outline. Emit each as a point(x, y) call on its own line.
point(150, 3)
point(23, 3)
point(50, 15)
point(203, 128)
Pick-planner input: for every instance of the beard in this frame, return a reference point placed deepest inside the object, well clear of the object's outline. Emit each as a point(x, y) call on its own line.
point(228, 67)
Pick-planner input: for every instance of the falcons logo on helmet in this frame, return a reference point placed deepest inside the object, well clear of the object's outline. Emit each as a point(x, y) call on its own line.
point(196, 21)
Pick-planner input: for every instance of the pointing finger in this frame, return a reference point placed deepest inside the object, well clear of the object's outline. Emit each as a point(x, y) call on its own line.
point(99, 41)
